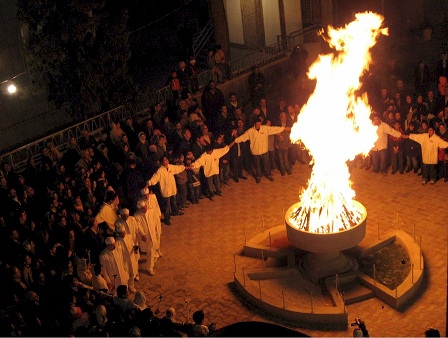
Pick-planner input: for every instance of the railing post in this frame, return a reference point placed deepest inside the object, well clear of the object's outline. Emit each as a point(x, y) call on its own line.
point(374, 274)
point(279, 43)
point(312, 305)
point(283, 298)
point(234, 262)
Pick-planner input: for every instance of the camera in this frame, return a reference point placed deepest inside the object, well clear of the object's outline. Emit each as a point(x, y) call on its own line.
point(361, 326)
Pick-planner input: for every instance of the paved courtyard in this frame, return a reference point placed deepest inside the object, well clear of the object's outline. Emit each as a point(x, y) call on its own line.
point(201, 248)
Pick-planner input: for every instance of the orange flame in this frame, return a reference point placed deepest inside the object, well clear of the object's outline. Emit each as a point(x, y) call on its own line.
point(335, 127)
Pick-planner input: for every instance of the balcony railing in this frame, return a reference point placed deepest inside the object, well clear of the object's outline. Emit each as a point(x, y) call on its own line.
point(18, 157)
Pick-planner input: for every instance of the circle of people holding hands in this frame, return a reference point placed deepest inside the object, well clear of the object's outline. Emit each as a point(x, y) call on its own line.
point(80, 227)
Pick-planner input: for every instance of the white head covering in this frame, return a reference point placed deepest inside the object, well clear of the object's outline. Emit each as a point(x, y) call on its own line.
point(141, 204)
point(119, 227)
point(124, 211)
point(145, 191)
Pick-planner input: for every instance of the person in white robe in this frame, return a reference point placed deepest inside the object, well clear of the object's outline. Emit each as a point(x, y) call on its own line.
point(136, 236)
point(131, 247)
point(146, 218)
point(116, 265)
point(154, 208)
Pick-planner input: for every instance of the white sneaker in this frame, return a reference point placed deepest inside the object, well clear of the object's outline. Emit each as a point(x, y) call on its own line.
point(160, 253)
point(137, 278)
point(151, 272)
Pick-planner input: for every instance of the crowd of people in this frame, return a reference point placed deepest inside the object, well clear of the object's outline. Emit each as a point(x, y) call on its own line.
point(79, 227)
point(412, 125)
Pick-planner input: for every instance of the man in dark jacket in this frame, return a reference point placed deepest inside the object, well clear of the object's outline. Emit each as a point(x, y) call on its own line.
point(212, 101)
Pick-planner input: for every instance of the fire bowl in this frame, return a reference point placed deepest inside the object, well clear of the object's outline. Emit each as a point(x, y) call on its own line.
point(324, 257)
point(330, 242)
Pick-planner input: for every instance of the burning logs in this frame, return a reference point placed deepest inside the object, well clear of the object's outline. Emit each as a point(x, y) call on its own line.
point(323, 221)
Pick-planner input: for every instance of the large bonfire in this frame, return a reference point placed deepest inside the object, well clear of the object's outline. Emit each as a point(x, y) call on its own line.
point(334, 125)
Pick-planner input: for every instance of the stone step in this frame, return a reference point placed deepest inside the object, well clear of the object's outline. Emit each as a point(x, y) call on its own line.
point(354, 292)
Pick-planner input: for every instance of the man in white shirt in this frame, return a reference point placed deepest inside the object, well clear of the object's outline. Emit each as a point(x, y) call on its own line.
point(379, 150)
point(258, 137)
point(210, 161)
point(430, 143)
point(165, 177)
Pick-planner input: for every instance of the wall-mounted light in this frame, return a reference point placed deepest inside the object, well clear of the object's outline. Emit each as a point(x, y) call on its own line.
point(11, 88)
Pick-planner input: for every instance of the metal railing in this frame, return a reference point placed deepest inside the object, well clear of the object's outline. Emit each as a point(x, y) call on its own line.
point(202, 38)
point(272, 52)
point(18, 157)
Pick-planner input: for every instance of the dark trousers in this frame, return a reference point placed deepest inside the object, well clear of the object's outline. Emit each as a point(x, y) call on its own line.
point(412, 163)
point(397, 161)
point(272, 159)
point(379, 160)
point(283, 161)
point(259, 161)
point(213, 181)
point(195, 192)
point(182, 193)
point(429, 172)
point(237, 167)
point(442, 170)
point(169, 207)
point(224, 169)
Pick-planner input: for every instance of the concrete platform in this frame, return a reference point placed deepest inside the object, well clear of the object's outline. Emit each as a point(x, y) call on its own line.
point(202, 248)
